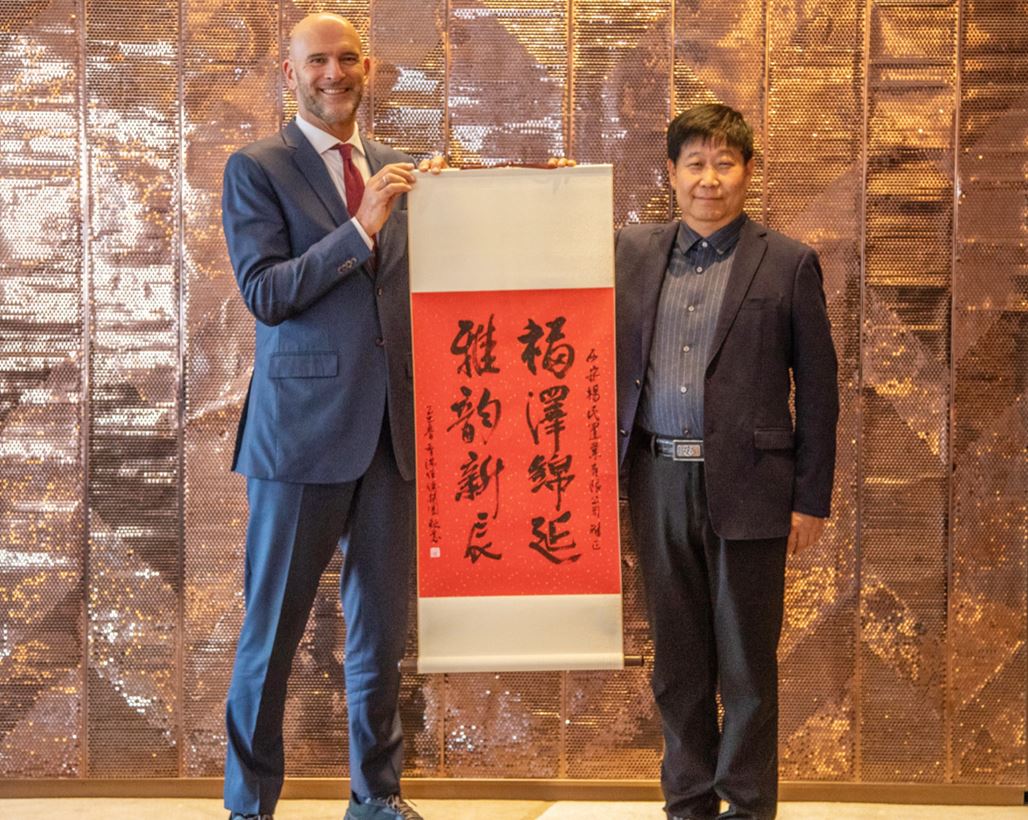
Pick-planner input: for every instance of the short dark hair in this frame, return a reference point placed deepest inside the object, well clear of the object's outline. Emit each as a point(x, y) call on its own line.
point(714, 123)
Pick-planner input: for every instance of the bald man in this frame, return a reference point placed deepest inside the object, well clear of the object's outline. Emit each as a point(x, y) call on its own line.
point(315, 222)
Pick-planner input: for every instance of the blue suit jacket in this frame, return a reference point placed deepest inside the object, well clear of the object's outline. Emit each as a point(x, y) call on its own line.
point(333, 349)
point(772, 333)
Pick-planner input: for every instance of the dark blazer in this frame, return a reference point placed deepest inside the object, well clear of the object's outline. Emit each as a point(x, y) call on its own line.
point(333, 347)
point(759, 464)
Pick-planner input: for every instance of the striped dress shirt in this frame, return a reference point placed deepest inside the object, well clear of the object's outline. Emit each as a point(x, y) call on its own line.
point(690, 300)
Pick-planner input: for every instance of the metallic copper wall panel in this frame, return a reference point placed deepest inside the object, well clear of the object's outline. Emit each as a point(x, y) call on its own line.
point(408, 81)
point(230, 94)
point(507, 80)
point(719, 57)
point(621, 98)
point(134, 499)
point(909, 213)
point(125, 353)
point(41, 393)
point(813, 162)
point(986, 695)
point(503, 725)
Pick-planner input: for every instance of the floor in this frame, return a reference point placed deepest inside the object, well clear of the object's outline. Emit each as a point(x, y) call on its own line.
point(189, 809)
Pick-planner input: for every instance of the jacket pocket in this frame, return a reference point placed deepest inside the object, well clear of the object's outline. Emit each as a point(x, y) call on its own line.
point(303, 365)
point(773, 438)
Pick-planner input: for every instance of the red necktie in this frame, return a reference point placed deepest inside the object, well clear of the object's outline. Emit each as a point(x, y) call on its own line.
point(353, 182)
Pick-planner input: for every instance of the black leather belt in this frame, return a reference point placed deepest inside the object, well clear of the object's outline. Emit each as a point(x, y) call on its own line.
point(677, 449)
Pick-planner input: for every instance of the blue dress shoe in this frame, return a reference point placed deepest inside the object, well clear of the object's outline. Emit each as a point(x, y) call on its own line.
point(393, 807)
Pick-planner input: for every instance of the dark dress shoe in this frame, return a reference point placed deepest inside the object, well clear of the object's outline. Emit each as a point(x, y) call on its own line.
point(393, 807)
point(237, 816)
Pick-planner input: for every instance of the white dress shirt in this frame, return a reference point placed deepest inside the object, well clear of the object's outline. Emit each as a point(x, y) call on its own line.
point(325, 144)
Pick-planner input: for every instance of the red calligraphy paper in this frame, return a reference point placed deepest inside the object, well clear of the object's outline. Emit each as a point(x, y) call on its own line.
point(515, 416)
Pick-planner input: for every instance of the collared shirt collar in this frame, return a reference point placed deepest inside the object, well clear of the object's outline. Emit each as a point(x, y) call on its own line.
point(324, 141)
point(723, 239)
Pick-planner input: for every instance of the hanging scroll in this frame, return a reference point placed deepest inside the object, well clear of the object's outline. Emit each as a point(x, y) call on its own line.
point(512, 301)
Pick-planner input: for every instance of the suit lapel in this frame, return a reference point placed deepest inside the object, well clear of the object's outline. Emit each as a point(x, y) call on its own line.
point(649, 280)
point(313, 169)
point(748, 254)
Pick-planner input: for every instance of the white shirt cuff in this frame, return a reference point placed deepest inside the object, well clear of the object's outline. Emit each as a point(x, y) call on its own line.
point(367, 239)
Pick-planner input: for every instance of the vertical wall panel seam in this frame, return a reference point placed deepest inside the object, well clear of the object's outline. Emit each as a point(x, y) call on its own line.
point(444, 688)
point(671, 97)
point(279, 79)
point(447, 148)
point(446, 78)
point(766, 120)
point(949, 702)
point(86, 372)
point(858, 678)
point(180, 268)
point(369, 85)
point(570, 58)
point(562, 729)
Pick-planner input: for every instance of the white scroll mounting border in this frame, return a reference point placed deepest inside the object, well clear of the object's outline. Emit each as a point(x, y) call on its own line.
point(544, 229)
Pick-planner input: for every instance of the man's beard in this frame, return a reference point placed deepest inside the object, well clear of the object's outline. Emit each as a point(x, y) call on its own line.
point(334, 115)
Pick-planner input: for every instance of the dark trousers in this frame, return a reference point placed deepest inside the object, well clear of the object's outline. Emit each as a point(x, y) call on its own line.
point(293, 530)
point(715, 610)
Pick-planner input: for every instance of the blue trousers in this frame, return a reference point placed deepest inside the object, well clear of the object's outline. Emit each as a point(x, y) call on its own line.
point(292, 532)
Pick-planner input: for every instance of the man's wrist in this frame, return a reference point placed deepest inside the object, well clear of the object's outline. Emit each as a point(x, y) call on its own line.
point(364, 234)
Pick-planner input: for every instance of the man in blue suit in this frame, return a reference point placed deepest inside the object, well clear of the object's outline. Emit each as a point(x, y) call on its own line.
point(315, 221)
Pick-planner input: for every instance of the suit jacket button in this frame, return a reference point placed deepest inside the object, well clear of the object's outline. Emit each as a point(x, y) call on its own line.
point(638, 383)
point(380, 342)
point(623, 432)
point(380, 291)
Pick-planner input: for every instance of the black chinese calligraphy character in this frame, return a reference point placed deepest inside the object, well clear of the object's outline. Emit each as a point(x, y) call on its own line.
point(550, 542)
point(557, 358)
point(553, 474)
point(476, 476)
point(476, 344)
point(488, 412)
point(475, 549)
point(552, 421)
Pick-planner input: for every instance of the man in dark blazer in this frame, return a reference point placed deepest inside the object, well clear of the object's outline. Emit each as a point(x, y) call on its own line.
point(717, 317)
point(315, 223)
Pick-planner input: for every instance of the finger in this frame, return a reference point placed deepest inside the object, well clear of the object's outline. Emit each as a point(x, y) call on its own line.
point(387, 175)
point(393, 189)
point(791, 544)
point(424, 165)
point(552, 162)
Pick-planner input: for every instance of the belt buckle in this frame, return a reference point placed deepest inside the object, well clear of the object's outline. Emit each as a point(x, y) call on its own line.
point(686, 450)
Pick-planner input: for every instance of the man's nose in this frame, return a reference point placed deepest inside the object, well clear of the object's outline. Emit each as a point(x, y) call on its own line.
point(709, 176)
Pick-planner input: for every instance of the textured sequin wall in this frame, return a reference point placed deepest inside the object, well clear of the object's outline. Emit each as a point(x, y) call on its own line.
point(893, 136)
